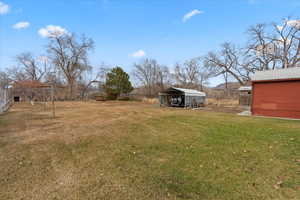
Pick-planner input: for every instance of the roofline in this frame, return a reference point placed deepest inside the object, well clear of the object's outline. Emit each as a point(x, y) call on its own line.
point(186, 93)
point(276, 80)
point(193, 93)
point(245, 88)
point(277, 74)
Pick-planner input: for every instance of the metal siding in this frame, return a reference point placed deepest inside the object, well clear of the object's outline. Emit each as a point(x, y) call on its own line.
point(185, 100)
point(189, 100)
point(276, 99)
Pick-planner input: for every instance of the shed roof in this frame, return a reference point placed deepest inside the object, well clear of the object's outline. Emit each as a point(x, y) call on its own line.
point(245, 88)
point(277, 74)
point(190, 92)
point(30, 84)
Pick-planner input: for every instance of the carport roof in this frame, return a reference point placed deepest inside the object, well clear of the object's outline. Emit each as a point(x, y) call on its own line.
point(188, 92)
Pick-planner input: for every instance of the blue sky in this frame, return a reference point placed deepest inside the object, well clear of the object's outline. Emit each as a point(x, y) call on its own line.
point(121, 28)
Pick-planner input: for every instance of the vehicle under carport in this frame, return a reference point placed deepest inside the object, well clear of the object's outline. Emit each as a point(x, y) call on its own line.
point(180, 97)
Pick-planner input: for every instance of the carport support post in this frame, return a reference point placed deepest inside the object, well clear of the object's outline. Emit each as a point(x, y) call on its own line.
point(52, 99)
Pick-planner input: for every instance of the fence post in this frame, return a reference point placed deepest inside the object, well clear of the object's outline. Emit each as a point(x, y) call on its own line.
point(4, 100)
point(52, 99)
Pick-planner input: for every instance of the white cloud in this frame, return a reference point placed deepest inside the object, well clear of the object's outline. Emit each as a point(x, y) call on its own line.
point(191, 14)
point(52, 31)
point(21, 25)
point(294, 23)
point(280, 28)
point(138, 54)
point(4, 8)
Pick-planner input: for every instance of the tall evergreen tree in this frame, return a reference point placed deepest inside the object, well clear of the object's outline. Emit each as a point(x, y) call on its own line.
point(117, 83)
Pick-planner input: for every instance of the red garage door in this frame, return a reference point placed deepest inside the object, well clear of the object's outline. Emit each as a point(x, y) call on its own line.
point(276, 99)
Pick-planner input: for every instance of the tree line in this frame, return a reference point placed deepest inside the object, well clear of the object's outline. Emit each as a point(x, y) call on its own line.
point(66, 63)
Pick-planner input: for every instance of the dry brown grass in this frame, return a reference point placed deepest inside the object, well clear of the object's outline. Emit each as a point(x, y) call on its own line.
point(31, 140)
point(222, 102)
point(150, 100)
point(28, 123)
point(134, 150)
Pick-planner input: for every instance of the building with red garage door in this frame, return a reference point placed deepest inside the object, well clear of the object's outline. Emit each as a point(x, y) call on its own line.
point(276, 93)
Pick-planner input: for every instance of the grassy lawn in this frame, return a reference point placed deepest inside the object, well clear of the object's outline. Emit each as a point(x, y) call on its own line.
point(130, 150)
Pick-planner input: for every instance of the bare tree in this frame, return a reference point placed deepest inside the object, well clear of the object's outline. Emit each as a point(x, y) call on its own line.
point(162, 77)
point(287, 40)
point(193, 73)
point(151, 75)
point(225, 76)
point(269, 47)
point(186, 74)
point(15, 73)
point(229, 60)
point(93, 76)
point(261, 50)
point(54, 77)
point(33, 68)
point(70, 56)
point(274, 46)
point(4, 80)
